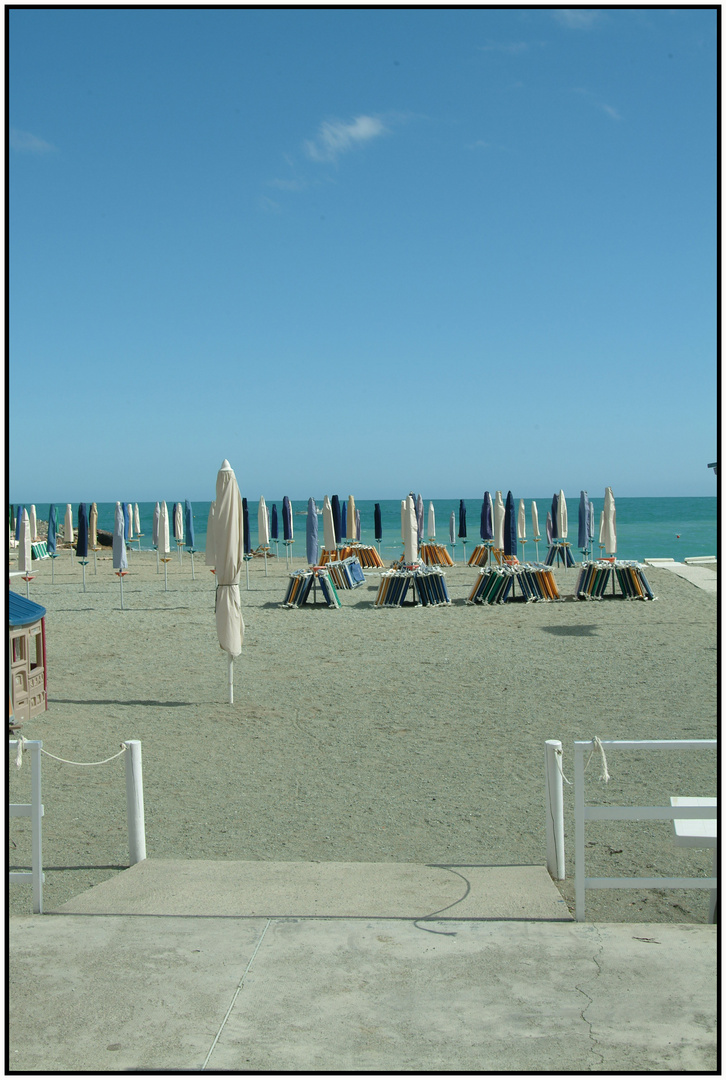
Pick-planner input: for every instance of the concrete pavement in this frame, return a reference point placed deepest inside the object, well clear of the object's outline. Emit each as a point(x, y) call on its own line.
point(292, 992)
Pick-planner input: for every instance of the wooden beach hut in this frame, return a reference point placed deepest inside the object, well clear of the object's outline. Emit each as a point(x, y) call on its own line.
point(27, 657)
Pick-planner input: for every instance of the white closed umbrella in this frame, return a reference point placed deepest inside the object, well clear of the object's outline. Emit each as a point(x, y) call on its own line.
point(328, 525)
point(499, 521)
point(68, 528)
point(137, 521)
point(155, 534)
point(410, 533)
point(229, 555)
point(130, 520)
point(431, 522)
point(163, 542)
point(25, 550)
point(561, 517)
point(535, 529)
point(263, 528)
point(403, 518)
point(118, 551)
point(522, 525)
point(33, 525)
point(452, 533)
point(179, 527)
point(608, 536)
point(350, 519)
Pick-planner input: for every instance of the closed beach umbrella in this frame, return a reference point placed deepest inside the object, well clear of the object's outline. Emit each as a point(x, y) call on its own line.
point(562, 516)
point(82, 542)
point(591, 522)
point(68, 525)
point(229, 552)
point(287, 532)
point(420, 517)
point(377, 525)
point(25, 550)
point(179, 522)
point(535, 520)
point(499, 521)
point(263, 525)
point(311, 533)
point(351, 517)
point(120, 562)
point(18, 523)
point(273, 523)
point(328, 526)
point(137, 519)
point(172, 520)
point(155, 526)
point(510, 526)
point(163, 541)
point(462, 519)
point(125, 512)
point(335, 506)
point(247, 544)
point(548, 527)
point(357, 525)
point(521, 522)
point(431, 522)
point(452, 528)
point(189, 520)
point(553, 517)
point(609, 537)
point(51, 528)
point(343, 520)
point(130, 520)
point(582, 516)
point(209, 559)
point(403, 518)
point(410, 533)
point(93, 525)
point(33, 525)
point(487, 514)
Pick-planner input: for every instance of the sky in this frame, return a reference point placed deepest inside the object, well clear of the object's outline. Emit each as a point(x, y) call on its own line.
point(362, 251)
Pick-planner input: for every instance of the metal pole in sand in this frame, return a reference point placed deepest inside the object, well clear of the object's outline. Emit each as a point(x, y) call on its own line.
point(191, 552)
point(166, 585)
point(83, 564)
point(230, 676)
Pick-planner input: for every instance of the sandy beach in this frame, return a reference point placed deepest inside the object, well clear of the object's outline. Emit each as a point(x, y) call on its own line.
point(359, 734)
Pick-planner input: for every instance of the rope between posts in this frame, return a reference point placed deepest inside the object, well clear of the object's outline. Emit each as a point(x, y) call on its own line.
point(21, 746)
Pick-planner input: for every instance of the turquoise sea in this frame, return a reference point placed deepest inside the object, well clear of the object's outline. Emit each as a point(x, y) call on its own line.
point(675, 528)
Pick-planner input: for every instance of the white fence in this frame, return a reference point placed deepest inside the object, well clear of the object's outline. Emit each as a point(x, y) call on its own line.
point(584, 812)
point(34, 810)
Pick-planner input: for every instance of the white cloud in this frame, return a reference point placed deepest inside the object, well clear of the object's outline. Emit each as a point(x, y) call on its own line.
point(26, 143)
point(335, 137)
point(609, 110)
point(576, 18)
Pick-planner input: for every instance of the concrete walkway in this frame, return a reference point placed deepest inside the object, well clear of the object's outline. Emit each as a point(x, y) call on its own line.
point(289, 992)
point(703, 576)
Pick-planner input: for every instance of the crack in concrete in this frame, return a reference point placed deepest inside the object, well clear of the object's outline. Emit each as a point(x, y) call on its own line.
point(593, 1040)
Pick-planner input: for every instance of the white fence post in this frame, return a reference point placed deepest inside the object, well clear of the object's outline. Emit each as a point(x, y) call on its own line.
point(555, 816)
point(135, 802)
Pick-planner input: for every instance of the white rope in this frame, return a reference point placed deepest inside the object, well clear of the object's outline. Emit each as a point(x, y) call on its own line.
point(597, 747)
point(21, 746)
point(558, 756)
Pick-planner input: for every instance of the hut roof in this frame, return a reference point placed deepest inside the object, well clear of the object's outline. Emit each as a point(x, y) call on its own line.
point(21, 611)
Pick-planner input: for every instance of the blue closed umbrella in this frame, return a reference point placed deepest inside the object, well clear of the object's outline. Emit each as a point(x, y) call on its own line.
point(311, 533)
point(555, 504)
point(377, 527)
point(273, 523)
point(510, 526)
point(52, 526)
point(189, 523)
point(82, 541)
point(335, 507)
point(582, 516)
point(462, 519)
point(246, 528)
point(343, 520)
point(487, 525)
point(286, 519)
point(548, 527)
point(18, 522)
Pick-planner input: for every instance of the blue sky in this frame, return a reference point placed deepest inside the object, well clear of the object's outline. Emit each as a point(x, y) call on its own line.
point(366, 251)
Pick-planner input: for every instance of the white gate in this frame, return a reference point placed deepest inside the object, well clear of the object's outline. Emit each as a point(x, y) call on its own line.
point(33, 810)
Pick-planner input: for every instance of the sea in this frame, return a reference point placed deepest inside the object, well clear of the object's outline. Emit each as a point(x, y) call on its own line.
point(675, 528)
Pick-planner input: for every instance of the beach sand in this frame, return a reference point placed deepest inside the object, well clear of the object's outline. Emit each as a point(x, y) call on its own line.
point(359, 734)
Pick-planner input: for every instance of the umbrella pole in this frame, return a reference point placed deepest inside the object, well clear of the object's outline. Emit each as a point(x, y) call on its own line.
point(247, 572)
point(265, 563)
point(192, 556)
point(121, 583)
point(52, 569)
point(95, 562)
point(83, 564)
point(166, 579)
point(231, 678)
point(157, 560)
